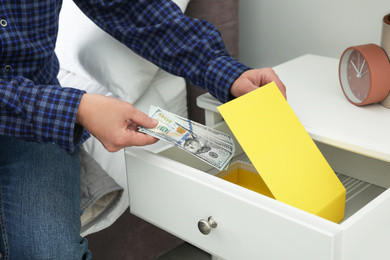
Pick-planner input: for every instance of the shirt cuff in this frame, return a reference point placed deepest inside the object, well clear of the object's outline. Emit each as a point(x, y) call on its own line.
point(58, 123)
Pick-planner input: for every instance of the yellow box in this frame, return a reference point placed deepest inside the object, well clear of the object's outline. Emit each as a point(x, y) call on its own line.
point(245, 175)
point(283, 153)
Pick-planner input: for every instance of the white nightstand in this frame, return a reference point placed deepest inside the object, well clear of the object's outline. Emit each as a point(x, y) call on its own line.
point(174, 191)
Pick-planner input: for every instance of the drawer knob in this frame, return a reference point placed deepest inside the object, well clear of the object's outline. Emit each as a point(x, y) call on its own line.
point(205, 226)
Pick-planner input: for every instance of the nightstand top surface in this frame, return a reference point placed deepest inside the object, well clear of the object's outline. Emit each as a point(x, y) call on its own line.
point(315, 95)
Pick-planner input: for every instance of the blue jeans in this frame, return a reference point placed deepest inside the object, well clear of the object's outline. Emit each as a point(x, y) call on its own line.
point(39, 202)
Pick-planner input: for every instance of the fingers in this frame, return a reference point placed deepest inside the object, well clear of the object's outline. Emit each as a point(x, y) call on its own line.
point(136, 138)
point(275, 78)
point(133, 139)
point(129, 134)
point(255, 78)
point(114, 122)
point(138, 117)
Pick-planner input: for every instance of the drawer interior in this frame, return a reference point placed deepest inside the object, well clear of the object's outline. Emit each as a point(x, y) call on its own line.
point(364, 178)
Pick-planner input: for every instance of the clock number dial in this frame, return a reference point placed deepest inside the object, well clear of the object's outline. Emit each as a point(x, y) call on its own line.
point(358, 76)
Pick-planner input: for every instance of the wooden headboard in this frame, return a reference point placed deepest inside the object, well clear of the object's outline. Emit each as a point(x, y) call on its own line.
point(223, 14)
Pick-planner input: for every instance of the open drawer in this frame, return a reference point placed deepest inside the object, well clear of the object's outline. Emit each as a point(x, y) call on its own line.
point(175, 191)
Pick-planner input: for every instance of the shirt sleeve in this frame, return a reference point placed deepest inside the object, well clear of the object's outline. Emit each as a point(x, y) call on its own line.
point(40, 113)
point(158, 31)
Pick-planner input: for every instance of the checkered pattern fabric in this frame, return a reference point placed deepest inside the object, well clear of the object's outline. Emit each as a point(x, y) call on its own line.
point(34, 107)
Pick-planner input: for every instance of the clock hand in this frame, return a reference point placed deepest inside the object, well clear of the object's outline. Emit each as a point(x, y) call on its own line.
point(358, 59)
point(361, 68)
point(353, 64)
point(361, 74)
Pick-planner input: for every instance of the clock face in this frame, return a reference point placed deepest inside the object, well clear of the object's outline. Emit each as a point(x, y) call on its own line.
point(358, 77)
point(364, 74)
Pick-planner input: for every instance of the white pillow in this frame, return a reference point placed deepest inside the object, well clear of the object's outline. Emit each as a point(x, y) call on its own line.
point(85, 49)
point(182, 4)
point(71, 80)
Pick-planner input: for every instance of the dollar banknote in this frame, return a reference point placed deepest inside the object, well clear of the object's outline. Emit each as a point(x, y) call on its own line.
point(204, 131)
point(207, 144)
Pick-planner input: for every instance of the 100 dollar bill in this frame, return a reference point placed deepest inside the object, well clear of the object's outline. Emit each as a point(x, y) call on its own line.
point(207, 144)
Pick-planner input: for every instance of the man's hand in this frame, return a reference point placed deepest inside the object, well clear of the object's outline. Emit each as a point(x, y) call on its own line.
point(255, 78)
point(114, 122)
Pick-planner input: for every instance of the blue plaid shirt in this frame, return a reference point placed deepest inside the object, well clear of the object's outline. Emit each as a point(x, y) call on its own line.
point(34, 107)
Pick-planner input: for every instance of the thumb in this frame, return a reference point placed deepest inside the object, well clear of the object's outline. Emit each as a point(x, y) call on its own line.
point(140, 118)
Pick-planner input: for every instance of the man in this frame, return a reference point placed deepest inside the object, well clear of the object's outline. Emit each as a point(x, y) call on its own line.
point(42, 124)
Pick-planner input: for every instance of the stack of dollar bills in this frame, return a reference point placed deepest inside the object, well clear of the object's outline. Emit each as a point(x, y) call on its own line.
point(205, 143)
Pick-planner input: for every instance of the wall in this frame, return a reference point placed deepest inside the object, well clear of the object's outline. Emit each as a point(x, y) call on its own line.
point(274, 31)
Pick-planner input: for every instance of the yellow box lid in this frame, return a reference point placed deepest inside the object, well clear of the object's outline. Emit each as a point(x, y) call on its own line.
point(283, 153)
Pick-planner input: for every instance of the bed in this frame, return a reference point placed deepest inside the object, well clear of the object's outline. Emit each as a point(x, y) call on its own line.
point(92, 60)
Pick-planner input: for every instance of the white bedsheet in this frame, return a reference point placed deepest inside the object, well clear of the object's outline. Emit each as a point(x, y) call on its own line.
point(92, 60)
point(165, 91)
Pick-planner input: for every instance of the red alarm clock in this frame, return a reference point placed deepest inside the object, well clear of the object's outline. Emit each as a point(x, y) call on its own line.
point(364, 73)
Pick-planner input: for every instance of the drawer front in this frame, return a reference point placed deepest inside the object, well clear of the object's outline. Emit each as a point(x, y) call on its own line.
point(175, 197)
